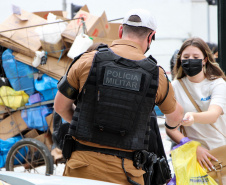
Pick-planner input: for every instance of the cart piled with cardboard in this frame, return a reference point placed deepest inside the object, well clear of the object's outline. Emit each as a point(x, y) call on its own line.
point(30, 69)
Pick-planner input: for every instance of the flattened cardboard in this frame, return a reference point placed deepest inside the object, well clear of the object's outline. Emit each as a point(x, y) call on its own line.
point(60, 14)
point(49, 120)
point(12, 125)
point(31, 134)
point(46, 138)
point(23, 40)
point(52, 67)
point(3, 109)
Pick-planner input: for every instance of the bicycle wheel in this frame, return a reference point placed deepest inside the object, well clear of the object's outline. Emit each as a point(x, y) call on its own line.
point(29, 155)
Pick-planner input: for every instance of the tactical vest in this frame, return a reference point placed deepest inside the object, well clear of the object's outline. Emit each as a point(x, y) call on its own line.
point(116, 101)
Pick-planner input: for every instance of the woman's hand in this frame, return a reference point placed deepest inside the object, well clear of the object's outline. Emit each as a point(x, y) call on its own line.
point(188, 119)
point(203, 157)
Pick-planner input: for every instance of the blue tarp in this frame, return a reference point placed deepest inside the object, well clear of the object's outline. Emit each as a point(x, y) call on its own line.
point(19, 74)
point(47, 86)
point(35, 117)
point(5, 146)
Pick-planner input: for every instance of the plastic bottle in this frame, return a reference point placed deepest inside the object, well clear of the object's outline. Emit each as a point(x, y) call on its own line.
point(37, 58)
point(81, 43)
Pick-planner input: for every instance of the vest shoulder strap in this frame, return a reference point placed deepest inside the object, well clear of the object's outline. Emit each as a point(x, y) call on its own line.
point(102, 47)
point(152, 58)
point(105, 53)
point(148, 65)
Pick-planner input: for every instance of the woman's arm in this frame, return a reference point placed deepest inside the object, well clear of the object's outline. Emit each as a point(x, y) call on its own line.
point(206, 117)
point(203, 155)
point(175, 135)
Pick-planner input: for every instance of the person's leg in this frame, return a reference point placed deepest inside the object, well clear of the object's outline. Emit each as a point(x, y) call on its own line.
point(97, 166)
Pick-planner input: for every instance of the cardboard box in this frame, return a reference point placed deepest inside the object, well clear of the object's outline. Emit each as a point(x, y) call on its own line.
point(3, 112)
point(95, 26)
point(49, 120)
point(105, 23)
point(3, 116)
point(52, 67)
point(85, 8)
point(55, 50)
point(19, 33)
point(46, 138)
point(12, 125)
point(31, 134)
point(105, 40)
point(60, 14)
point(113, 32)
point(111, 36)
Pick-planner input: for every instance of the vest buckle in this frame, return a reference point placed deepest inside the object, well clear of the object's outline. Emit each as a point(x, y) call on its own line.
point(101, 128)
point(122, 132)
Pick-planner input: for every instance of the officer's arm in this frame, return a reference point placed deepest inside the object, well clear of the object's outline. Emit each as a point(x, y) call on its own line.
point(64, 100)
point(169, 106)
point(64, 106)
point(66, 95)
point(174, 118)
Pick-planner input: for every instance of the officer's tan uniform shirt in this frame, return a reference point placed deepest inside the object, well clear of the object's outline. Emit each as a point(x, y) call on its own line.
point(100, 164)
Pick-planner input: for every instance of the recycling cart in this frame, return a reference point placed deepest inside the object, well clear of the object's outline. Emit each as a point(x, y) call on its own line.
point(30, 150)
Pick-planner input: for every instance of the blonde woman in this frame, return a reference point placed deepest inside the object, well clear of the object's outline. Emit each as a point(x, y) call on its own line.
point(205, 81)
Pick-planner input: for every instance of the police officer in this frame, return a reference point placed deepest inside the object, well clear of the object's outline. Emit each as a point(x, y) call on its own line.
point(115, 89)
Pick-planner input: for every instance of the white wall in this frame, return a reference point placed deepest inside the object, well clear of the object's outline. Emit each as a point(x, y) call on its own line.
point(204, 21)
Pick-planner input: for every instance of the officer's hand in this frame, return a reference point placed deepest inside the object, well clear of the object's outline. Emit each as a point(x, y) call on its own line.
point(188, 119)
point(203, 157)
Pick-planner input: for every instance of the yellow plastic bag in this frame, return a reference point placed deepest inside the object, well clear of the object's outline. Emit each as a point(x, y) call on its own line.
point(186, 167)
point(11, 98)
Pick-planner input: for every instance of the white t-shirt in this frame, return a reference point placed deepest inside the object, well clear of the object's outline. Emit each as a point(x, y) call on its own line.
point(205, 93)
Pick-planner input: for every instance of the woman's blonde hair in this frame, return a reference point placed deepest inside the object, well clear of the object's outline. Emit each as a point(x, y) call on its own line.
point(212, 69)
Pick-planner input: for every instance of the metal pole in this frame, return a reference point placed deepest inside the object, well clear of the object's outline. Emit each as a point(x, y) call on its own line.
point(208, 23)
point(40, 25)
point(222, 34)
point(64, 5)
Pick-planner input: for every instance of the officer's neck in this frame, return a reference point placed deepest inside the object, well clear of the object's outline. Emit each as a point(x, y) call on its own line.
point(138, 41)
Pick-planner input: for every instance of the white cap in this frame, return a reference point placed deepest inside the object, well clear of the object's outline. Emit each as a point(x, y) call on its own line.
point(147, 20)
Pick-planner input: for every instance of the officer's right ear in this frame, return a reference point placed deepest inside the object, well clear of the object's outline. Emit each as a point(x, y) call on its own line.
point(120, 31)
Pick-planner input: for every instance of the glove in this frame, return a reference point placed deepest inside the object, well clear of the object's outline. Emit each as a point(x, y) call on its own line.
point(182, 142)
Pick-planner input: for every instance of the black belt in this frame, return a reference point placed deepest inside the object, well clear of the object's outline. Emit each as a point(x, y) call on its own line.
point(118, 153)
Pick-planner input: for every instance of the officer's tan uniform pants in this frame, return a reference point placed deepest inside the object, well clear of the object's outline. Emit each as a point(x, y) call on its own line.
point(97, 166)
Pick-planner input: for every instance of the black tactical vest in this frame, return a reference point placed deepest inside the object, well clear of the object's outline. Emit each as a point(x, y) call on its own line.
point(116, 101)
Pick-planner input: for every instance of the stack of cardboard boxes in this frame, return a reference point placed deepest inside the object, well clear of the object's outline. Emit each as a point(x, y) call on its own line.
point(18, 33)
